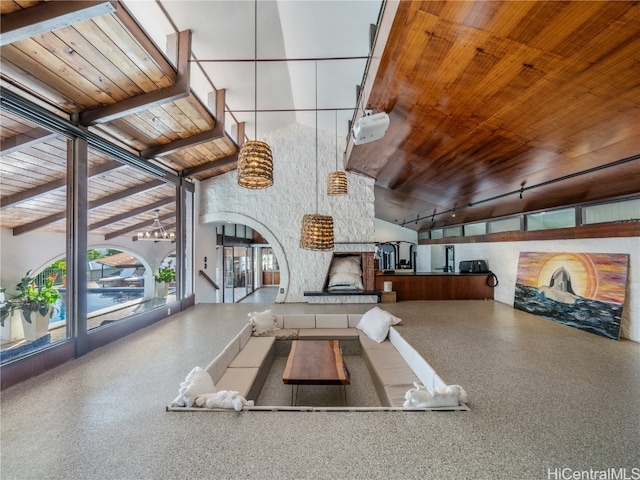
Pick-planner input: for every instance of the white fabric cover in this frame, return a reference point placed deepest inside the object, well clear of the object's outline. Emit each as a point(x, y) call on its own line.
point(346, 264)
point(375, 324)
point(197, 382)
point(346, 281)
point(223, 399)
point(421, 397)
point(263, 322)
point(345, 273)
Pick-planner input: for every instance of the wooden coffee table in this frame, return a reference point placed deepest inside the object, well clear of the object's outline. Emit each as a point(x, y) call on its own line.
point(315, 362)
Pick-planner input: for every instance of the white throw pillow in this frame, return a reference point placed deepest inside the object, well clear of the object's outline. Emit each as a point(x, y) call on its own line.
point(197, 382)
point(346, 280)
point(263, 322)
point(393, 320)
point(375, 324)
point(346, 264)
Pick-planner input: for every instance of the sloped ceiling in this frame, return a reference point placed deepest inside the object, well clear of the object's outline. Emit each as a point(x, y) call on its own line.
point(486, 99)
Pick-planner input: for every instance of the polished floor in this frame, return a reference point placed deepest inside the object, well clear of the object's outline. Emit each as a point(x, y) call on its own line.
point(261, 295)
point(545, 398)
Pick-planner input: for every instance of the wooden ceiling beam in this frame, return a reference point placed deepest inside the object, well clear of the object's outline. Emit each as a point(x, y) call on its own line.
point(131, 213)
point(49, 16)
point(188, 172)
point(29, 227)
point(148, 45)
point(140, 226)
point(55, 185)
point(148, 100)
point(25, 140)
point(216, 102)
point(239, 128)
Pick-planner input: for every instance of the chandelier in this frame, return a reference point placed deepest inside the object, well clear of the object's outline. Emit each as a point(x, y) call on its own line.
point(157, 233)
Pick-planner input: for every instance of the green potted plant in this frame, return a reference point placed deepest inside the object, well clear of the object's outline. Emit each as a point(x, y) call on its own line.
point(164, 277)
point(37, 304)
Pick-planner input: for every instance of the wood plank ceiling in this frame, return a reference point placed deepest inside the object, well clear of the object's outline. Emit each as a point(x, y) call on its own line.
point(485, 99)
point(107, 72)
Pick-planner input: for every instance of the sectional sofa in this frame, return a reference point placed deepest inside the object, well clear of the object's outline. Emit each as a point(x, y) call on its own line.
point(394, 364)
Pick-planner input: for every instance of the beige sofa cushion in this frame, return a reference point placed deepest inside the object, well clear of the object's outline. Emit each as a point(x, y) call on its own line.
point(354, 319)
point(301, 320)
point(328, 334)
point(368, 344)
point(332, 320)
point(395, 394)
point(245, 334)
point(217, 367)
point(389, 366)
point(254, 352)
point(238, 380)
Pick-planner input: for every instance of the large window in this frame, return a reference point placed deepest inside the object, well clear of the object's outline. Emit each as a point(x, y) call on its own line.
point(473, 229)
point(33, 274)
point(84, 253)
point(553, 219)
point(612, 212)
point(510, 224)
point(130, 238)
point(622, 210)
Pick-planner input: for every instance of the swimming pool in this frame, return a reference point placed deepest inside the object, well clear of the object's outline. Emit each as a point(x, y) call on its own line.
point(98, 299)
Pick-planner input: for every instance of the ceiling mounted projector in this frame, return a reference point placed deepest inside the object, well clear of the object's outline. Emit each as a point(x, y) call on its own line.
point(370, 128)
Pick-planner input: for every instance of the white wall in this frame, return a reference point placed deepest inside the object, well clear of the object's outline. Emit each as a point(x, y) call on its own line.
point(205, 246)
point(502, 259)
point(276, 212)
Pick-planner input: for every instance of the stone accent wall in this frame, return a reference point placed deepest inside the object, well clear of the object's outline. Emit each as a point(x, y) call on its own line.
point(276, 212)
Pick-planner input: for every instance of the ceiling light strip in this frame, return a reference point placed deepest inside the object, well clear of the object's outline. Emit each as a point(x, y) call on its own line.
point(543, 184)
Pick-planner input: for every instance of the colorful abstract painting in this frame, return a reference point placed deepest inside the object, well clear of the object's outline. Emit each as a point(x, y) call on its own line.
point(582, 290)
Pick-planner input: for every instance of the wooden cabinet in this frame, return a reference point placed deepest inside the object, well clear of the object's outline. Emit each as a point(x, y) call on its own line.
point(271, 277)
point(443, 286)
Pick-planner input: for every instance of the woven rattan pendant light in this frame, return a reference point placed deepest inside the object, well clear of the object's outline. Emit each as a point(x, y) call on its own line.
point(317, 230)
point(255, 161)
point(337, 181)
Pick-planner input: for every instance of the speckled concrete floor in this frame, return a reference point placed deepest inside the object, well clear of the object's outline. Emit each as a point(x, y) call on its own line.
point(543, 397)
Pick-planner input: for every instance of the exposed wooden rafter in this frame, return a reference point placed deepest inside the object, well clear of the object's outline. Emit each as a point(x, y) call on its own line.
point(182, 143)
point(148, 100)
point(131, 213)
point(95, 204)
point(188, 172)
point(55, 185)
point(49, 16)
point(24, 140)
point(221, 162)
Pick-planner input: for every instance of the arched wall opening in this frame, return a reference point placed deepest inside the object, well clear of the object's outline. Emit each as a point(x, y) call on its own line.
point(272, 240)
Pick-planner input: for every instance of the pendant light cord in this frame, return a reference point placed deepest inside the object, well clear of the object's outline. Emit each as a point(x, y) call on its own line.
point(317, 137)
point(336, 140)
point(255, 71)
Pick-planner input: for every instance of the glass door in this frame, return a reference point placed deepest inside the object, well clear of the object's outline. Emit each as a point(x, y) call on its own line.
point(228, 275)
